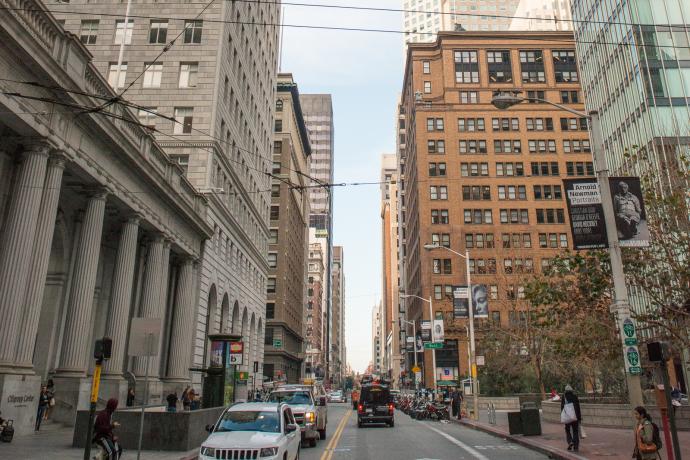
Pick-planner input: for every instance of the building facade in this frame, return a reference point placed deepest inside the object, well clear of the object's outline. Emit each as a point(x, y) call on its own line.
point(391, 276)
point(484, 180)
point(423, 20)
point(338, 317)
point(542, 15)
point(318, 115)
point(641, 90)
point(98, 226)
point(315, 318)
point(210, 100)
point(289, 236)
point(376, 340)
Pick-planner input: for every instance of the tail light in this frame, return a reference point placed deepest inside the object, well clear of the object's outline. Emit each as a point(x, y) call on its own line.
point(360, 408)
point(391, 408)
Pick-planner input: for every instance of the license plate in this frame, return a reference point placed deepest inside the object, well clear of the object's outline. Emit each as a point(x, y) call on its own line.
point(382, 408)
point(369, 411)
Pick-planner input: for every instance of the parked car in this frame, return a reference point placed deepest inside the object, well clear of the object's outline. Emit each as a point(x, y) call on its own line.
point(310, 413)
point(253, 430)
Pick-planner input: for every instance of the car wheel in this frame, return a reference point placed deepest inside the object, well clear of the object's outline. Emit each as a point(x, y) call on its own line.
point(312, 442)
point(359, 424)
point(322, 434)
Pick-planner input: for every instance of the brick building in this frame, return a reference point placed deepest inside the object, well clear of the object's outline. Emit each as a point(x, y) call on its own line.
point(485, 180)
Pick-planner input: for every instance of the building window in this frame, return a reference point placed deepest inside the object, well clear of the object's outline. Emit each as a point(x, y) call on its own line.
point(442, 267)
point(441, 239)
point(564, 66)
point(192, 31)
point(188, 74)
point(574, 124)
point(539, 124)
point(184, 116)
point(276, 167)
point(507, 146)
point(438, 192)
point(120, 31)
point(514, 216)
point(474, 169)
point(436, 146)
point(279, 105)
point(570, 97)
point(536, 97)
point(275, 190)
point(273, 236)
point(476, 192)
point(548, 192)
point(510, 169)
point(147, 117)
point(550, 216)
point(579, 168)
point(426, 67)
point(470, 124)
point(478, 216)
point(466, 67)
point(499, 66)
point(270, 310)
point(427, 87)
point(278, 126)
point(576, 146)
point(439, 216)
point(268, 340)
point(512, 192)
point(270, 287)
point(541, 146)
point(434, 124)
point(158, 31)
point(277, 147)
point(472, 147)
point(505, 124)
point(532, 66)
point(469, 97)
point(437, 169)
point(272, 260)
point(153, 74)
point(112, 75)
point(275, 212)
point(89, 31)
point(545, 168)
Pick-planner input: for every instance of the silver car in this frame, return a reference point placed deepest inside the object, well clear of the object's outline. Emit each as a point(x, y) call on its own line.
point(305, 409)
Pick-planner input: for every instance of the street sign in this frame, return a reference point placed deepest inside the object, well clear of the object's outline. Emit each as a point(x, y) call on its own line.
point(480, 360)
point(141, 330)
point(416, 369)
point(630, 338)
point(277, 343)
point(433, 345)
point(632, 360)
point(630, 350)
point(236, 352)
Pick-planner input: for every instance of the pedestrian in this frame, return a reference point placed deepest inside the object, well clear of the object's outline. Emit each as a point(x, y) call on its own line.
point(130, 397)
point(187, 399)
point(647, 440)
point(172, 402)
point(103, 428)
point(460, 398)
point(454, 403)
point(51, 402)
point(196, 399)
point(571, 418)
point(43, 403)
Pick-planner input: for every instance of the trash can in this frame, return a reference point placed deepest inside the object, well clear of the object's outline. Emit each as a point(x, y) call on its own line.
point(515, 422)
point(531, 421)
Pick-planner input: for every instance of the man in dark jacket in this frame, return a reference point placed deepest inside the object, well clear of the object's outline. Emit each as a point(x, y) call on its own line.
point(572, 429)
point(104, 431)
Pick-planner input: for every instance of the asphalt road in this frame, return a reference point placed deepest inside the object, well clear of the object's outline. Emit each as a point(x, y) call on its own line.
point(409, 440)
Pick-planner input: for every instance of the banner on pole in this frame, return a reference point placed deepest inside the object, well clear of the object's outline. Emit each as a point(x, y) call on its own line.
point(587, 225)
point(461, 302)
point(438, 331)
point(426, 331)
point(628, 208)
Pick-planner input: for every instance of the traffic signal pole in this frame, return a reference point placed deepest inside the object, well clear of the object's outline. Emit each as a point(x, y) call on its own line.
point(102, 352)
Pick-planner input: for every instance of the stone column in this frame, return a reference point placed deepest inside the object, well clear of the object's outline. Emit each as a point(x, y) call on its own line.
point(75, 347)
point(45, 228)
point(16, 245)
point(183, 324)
point(121, 297)
point(151, 301)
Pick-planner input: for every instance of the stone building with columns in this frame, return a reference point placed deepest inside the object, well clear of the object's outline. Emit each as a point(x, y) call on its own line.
point(97, 226)
point(210, 98)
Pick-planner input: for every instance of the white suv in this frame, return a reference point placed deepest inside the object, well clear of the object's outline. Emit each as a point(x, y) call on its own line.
point(261, 431)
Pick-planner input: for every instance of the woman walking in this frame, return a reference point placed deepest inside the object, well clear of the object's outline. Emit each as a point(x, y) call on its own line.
point(571, 418)
point(645, 443)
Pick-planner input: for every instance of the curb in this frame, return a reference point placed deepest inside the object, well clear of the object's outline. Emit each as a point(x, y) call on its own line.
point(552, 452)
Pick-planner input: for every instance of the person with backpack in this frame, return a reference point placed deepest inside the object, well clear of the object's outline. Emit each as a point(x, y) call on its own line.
point(571, 417)
point(103, 431)
point(647, 438)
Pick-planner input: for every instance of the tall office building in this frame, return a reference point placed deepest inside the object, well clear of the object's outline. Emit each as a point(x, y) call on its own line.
point(542, 15)
point(423, 19)
point(289, 236)
point(641, 89)
point(218, 81)
point(391, 278)
point(484, 180)
point(376, 365)
point(314, 334)
point(338, 316)
point(318, 116)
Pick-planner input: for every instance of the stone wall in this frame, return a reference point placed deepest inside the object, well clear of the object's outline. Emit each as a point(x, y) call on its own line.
point(612, 415)
point(500, 403)
point(177, 431)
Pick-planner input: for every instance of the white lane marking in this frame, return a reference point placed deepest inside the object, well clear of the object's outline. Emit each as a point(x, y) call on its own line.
point(476, 454)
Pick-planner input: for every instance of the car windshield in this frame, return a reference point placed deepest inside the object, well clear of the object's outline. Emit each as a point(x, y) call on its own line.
point(290, 397)
point(375, 395)
point(268, 422)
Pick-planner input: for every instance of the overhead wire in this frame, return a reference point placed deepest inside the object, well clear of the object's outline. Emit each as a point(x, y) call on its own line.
point(339, 28)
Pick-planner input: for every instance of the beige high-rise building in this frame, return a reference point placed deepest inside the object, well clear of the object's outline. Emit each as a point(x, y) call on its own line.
point(338, 317)
point(217, 82)
point(315, 318)
point(289, 236)
point(423, 19)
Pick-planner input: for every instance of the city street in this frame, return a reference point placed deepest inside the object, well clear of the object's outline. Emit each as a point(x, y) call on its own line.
point(409, 439)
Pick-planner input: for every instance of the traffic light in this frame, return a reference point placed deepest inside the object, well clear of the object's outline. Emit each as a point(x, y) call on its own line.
point(103, 349)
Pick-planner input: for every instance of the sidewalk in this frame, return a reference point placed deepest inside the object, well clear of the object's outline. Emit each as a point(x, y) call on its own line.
point(601, 443)
point(55, 441)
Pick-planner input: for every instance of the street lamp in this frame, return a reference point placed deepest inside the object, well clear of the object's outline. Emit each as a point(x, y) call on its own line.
point(505, 100)
point(414, 347)
point(473, 356)
point(433, 351)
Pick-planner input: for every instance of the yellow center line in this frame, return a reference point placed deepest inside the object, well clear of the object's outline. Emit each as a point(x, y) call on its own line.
point(328, 453)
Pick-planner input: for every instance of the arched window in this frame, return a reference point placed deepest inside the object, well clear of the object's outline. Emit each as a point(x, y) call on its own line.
point(279, 105)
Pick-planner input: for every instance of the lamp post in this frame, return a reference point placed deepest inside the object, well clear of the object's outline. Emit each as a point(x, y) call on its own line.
point(505, 100)
point(472, 353)
point(414, 347)
point(433, 351)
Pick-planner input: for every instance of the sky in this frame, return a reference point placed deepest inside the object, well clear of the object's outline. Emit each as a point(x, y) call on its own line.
point(363, 72)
